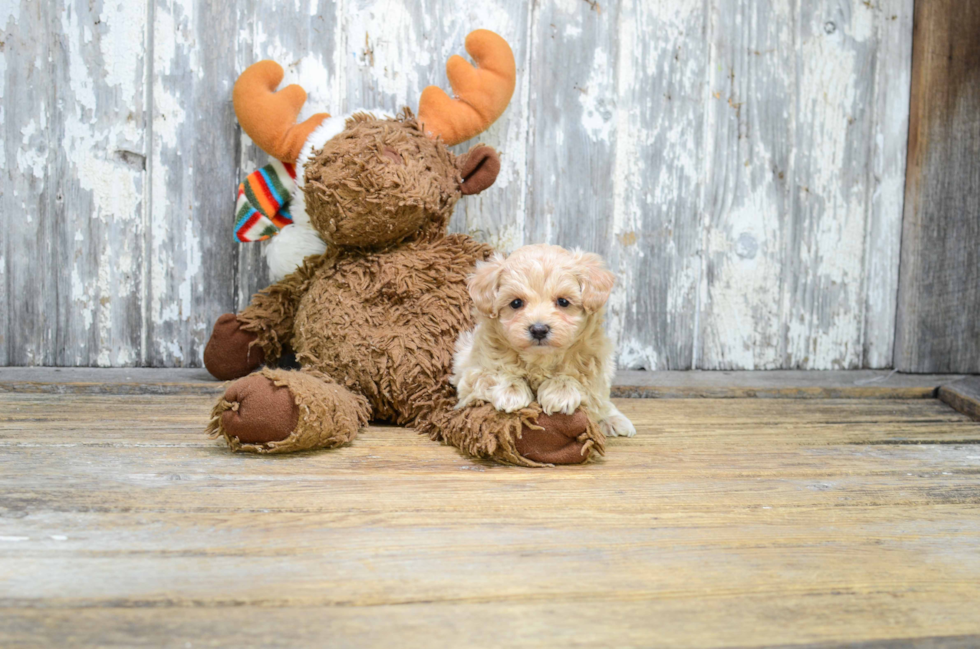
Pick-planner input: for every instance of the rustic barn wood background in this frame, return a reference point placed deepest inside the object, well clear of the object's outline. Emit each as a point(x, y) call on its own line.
point(938, 327)
point(740, 163)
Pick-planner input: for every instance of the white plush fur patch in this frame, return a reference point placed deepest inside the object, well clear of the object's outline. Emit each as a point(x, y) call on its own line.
point(326, 131)
point(287, 250)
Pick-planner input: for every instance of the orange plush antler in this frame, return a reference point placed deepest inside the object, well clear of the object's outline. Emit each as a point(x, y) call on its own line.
point(269, 117)
point(482, 92)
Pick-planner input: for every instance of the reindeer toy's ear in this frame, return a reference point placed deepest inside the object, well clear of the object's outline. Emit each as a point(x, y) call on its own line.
point(481, 96)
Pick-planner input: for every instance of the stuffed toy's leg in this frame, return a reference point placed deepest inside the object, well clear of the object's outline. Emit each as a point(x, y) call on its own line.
point(526, 438)
point(279, 411)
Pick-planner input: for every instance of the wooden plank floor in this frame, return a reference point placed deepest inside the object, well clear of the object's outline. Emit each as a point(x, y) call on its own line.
point(724, 523)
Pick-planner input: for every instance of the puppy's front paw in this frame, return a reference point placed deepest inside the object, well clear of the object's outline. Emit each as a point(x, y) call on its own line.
point(617, 426)
point(559, 396)
point(510, 397)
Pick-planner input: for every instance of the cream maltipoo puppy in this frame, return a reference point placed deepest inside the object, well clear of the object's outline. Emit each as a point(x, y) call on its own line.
point(539, 335)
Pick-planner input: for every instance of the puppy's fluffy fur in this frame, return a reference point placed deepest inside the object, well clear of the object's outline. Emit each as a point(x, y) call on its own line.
point(539, 335)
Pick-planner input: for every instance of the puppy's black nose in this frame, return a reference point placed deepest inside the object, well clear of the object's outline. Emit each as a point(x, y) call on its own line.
point(539, 331)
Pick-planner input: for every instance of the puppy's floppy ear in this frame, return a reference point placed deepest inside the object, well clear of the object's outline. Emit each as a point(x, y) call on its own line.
point(595, 279)
point(483, 284)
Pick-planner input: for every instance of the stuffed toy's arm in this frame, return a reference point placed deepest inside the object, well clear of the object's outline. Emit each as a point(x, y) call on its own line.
point(271, 312)
point(270, 318)
point(241, 342)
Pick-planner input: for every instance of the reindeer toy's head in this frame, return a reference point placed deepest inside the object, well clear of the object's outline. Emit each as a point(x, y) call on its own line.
point(363, 181)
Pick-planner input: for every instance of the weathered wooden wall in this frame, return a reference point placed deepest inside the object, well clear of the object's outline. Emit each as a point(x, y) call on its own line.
point(939, 320)
point(739, 162)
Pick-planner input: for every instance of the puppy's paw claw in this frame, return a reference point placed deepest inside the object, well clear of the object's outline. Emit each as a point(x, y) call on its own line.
point(617, 426)
point(512, 397)
point(562, 399)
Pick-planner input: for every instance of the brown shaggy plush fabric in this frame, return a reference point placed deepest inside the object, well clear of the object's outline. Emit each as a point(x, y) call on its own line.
point(380, 182)
point(374, 320)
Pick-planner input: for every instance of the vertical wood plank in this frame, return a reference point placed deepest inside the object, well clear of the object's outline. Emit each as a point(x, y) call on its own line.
point(193, 179)
point(498, 215)
point(304, 37)
point(574, 128)
point(572, 131)
point(938, 324)
point(748, 180)
point(73, 167)
point(789, 207)
point(659, 107)
point(889, 139)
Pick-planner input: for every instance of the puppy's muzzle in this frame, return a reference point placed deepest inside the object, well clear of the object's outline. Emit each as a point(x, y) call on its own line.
point(539, 331)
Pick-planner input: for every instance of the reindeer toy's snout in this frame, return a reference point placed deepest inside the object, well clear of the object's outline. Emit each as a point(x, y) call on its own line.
point(365, 181)
point(375, 308)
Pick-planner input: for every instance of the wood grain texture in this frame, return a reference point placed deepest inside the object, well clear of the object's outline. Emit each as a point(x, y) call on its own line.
point(739, 163)
point(192, 179)
point(572, 124)
point(655, 235)
point(963, 396)
point(799, 254)
point(723, 523)
point(777, 384)
point(938, 327)
point(74, 149)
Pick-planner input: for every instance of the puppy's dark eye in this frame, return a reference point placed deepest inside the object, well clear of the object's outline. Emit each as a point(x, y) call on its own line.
point(516, 304)
point(562, 302)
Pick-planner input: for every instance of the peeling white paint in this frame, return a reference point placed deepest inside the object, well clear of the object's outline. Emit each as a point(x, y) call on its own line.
point(634, 355)
point(598, 98)
point(33, 156)
point(100, 130)
point(388, 53)
point(506, 239)
point(309, 70)
point(125, 28)
point(9, 10)
point(800, 270)
point(191, 283)
point(82, 298)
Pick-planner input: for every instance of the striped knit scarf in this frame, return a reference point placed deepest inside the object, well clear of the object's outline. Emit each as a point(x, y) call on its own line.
point(260, 212)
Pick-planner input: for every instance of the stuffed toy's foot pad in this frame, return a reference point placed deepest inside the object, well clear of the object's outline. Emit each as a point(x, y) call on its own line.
point(260, 412)
point(230, 353)
point(563, 439)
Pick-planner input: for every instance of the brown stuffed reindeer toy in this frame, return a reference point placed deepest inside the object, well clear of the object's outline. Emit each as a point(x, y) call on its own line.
point(373, 315)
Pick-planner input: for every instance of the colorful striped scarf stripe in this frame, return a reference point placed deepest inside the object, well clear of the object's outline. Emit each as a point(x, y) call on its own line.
point(260, 211)
point(259, 195)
